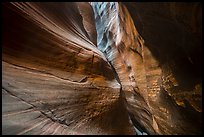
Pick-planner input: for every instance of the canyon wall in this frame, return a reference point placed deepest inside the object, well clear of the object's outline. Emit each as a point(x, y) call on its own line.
point(54, 79)
point(159, 70)
point(173, 36)
point(101, 68)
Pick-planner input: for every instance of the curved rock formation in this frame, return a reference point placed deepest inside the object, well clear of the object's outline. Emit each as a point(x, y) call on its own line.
point(101, 68)
point(60, 82)
point(173, 38)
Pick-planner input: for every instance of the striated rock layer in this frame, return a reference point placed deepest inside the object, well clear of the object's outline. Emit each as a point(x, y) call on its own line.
point(101, 68)
point(173, 35)
point(55, 80)
point(159, 70)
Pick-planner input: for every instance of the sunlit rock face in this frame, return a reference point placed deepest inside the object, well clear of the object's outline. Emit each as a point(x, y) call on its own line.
point(54, 79)
point(158, 64)
point(101, 68)
point(119, 40)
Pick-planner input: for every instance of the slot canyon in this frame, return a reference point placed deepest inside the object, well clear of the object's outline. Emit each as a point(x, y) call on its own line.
point(101, 68)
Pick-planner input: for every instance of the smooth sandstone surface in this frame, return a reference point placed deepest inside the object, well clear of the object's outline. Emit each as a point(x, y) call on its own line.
point(101, 68)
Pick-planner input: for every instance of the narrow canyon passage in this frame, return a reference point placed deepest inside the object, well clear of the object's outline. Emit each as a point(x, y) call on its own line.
point(101, 68)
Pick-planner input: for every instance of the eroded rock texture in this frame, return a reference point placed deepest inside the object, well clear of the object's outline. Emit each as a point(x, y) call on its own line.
point(55, 80)
point(101, 68)
point(173, 36)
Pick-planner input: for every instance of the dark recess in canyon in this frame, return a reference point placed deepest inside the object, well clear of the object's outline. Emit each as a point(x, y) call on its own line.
point(102, 68)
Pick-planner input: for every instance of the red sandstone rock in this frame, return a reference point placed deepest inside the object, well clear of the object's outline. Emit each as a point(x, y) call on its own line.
point(139, 67)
